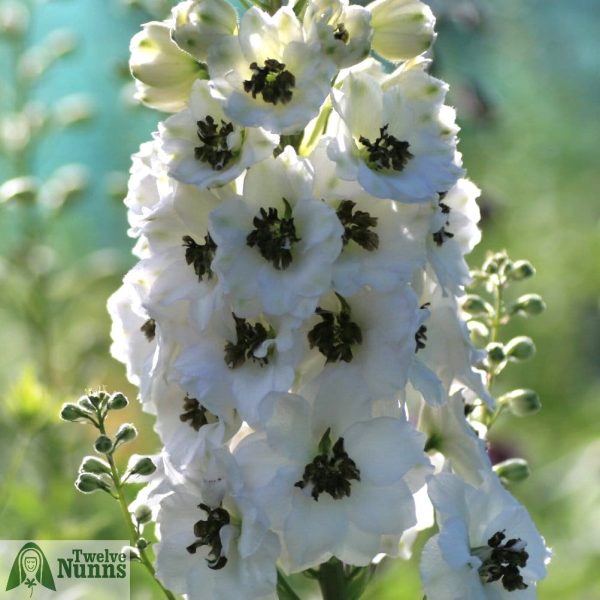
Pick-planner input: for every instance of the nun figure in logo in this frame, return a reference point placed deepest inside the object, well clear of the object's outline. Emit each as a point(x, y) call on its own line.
point(30, 568)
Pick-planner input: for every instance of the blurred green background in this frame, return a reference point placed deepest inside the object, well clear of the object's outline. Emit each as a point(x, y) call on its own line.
point(525, 77)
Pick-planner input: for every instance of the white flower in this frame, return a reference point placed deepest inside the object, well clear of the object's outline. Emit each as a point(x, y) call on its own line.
point(133, 335)
point(449, 432)
point(187, 429)
point(448, 350)
point(487, 549)
point(201, 146)
point(368, 338)
point(402, 29)
point(333, 484)
point(453, 233)
point(198, 24)
point(276, 245)
point(396, 137)
point(214, 542)
point(236, 362)
point(164, 74)
point(271, 76)
point(343, 31)
point(383, 246)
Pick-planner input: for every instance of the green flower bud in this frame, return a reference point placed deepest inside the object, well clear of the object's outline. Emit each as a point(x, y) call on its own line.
point(475, 305)
point(117, 401)
point(73, 413)
point(88, 483)
point(143, 514)
point(144, 466)
point(98, 398)
point(490, 266)
point(522, 269)
point(103, 444)
point(478, 332)
point(522, 402)
point(126, 433)
point(91, 464)
point(520, 348)
point(85, 403)
point(495, 352)
point(130, 552)
point(513, 470)
point(142, 543)
point(528, 305)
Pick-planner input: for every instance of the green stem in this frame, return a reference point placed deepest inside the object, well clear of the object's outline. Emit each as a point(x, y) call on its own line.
point(332, 580)
point(133, 532)
point(284, 589)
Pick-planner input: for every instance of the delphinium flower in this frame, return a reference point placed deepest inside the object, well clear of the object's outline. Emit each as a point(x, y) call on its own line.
point(297, 317)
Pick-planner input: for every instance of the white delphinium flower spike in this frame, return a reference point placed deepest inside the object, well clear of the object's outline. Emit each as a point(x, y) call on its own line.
point(271, 76)
point(488, 547)
point(214, 541)
point(396, 137)
point(163, 72)
point(334, 481)
point(201, 146)
point(277, 243)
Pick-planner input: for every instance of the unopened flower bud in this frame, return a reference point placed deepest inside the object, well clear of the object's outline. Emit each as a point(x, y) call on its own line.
point(164, 73)
point(91, 464)
point(85, 403)
point(14, 18)
point(496, 353)
point(522, 269)
point(144, 466)
point(89, 482)
point(478, 332)
point(520, 348)
point(19, 189)
point(199, 24)
point(98, 398)
point(103, 444)
point(522, 402)
point(130, 552)
point(528, 305)
point(475, 305)
point(513, 470)
point(72, 412)
point(402, 29)
point(143, 514)
point(117, 401)
point(142, 543)
point(126, 433)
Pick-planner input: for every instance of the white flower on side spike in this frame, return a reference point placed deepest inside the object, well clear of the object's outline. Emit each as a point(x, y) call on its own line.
point(334, 484)
point(201, 146)
point(198, 24)
point(396, 138)
point(163, 72)
point(402, 29)
point(487, 549)
point(272, 77)
point(277, 243)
